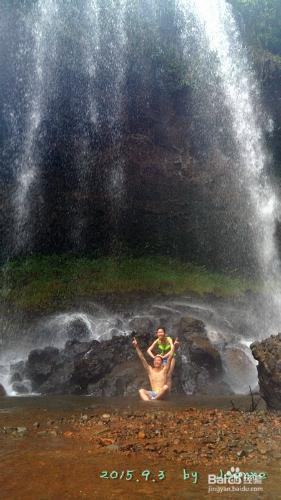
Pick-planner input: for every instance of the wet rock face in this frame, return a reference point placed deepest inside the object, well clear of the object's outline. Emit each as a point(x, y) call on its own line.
point(77, 329)
point(268, 355)
point(20, 388)
point(41, 363)
point(143, 324)
point(199, 367)
point(79, 365)
point(124, 380)
point(239, 367)
point(112, 368)
point(2, 391)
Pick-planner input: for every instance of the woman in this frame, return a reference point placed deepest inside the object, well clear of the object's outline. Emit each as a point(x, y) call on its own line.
point(163, 344)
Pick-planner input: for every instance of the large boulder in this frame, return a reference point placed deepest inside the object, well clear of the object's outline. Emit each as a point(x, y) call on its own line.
point(268, 355)
point(103, 358)
point(78, 365)
point(40, 364)
point(200, 362)
point(17, 370)
point(143, 324)
point(188, 326)
point(241, 373)
point(124, 380)
point(20, 388)
point(2, 391)
point(77, 329)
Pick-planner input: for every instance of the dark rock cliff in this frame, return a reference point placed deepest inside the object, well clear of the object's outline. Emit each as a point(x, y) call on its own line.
point(179, 195)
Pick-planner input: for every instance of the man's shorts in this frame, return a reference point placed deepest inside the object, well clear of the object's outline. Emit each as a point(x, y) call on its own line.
point(152, 394)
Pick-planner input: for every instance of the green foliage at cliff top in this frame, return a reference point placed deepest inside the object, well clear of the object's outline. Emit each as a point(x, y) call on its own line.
point(46, 283)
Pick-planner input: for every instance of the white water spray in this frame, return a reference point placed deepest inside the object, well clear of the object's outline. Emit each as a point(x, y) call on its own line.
point(103, 46)
point(116, 67)
point(44, 46)
point(241, 96)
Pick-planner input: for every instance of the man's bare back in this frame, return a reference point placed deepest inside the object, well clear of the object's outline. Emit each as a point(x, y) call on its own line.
point(157, 374)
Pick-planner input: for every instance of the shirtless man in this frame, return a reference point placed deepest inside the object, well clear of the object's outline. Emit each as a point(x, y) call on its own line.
point(158, 374)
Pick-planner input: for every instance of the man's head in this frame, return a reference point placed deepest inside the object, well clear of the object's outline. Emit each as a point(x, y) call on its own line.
point(157, 362)
point(160, 333)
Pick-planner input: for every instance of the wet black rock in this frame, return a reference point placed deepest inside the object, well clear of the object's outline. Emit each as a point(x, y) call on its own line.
point(200, 362)
point(124, 380)
point(3, 370)
point(112, 368)
point(77, 329)
point(16, 377)
point(143, 324)
point(18, 368)
point(72, 369)
point(73, 347)
point(268, 355)
point(2, 390)
point(101, 359)
point(240, 368)
point(41, 363)
point(20, 388)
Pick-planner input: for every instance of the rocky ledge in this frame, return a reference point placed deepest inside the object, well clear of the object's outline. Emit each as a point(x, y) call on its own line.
point(268, 355)
point(112, 368)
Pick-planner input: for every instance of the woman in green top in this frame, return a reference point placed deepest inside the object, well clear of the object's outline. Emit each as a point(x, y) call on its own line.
point(163, 344)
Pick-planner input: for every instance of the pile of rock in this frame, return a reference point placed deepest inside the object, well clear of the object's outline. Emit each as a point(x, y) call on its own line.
point(268, 355)
point(111, 368)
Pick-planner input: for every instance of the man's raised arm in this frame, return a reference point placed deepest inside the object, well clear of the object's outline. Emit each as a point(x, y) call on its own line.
point(140, 355)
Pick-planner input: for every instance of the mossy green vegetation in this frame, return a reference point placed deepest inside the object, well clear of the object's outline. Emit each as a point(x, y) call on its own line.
point(48, 282)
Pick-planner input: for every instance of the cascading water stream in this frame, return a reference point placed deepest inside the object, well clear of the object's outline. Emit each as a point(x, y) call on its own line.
point(113, 39)
point(221, 38)
point(42, 26)
point(103, 48)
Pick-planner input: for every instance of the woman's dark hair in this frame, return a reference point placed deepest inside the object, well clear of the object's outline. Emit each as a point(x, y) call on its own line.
point(161, 328)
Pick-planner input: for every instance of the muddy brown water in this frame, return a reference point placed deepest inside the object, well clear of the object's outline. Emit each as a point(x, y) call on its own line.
point(55, 468)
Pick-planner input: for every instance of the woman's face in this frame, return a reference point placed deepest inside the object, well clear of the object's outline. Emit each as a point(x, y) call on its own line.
point(160, 333)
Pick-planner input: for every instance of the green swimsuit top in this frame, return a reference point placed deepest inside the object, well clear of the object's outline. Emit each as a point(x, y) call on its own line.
point(163, 348)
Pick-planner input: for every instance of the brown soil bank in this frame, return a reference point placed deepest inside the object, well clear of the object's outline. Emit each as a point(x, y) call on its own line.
point(61, 454)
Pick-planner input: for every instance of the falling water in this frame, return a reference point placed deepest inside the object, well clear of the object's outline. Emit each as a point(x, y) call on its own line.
point(112, 43)
point(41, 22)
point(103, 49)
point(217, 27)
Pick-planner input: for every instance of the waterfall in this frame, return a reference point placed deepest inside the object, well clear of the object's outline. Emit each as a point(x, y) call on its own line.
point(41, 23)
point(104, 60)
point(88, 42)
point(231, 70)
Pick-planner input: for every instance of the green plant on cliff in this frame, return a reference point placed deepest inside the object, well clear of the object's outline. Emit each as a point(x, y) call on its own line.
point(48, 282)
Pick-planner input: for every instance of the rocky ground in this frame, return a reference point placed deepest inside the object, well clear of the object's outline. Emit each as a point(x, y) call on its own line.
point(192, 435)
point(49, 454)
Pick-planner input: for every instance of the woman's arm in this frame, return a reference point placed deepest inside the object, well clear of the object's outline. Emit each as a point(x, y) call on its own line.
point(171, 353)
point(172, 345)
point(149, 350)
